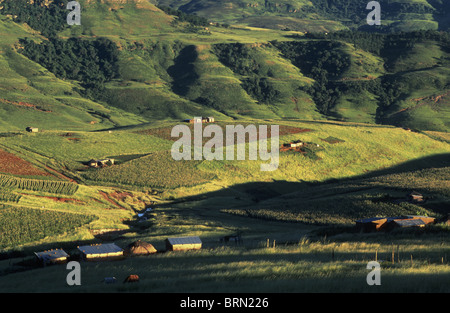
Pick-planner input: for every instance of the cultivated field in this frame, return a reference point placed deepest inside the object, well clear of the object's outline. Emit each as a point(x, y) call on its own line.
point(297, 223)
point(371, 109)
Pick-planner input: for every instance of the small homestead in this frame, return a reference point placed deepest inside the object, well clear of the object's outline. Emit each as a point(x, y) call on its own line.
point(402, 223)
point(196, 120)
point(100, 163)
point(32, 129)
point(183, 243)
point(294, 144)
point(54, 256)
point(389, 223)
point(139, 248)
point(101, 252)
point(415, 197)
point(307, 149)
point(370, 224)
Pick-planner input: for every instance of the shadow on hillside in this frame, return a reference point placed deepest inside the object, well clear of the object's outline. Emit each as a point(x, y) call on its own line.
point(261, 191)
point(257, 191)
point(442, 14)
point(183, 71)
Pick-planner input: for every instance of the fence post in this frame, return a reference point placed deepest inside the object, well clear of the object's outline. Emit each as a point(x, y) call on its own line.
point(393, 254)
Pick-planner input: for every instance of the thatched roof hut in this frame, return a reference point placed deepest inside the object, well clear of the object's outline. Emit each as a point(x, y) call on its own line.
point(139, 248)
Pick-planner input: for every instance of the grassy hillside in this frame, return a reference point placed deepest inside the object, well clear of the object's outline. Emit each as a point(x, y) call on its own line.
point(306, 209)
point(319, 15)
point(372, 108)
point(285, 226)
point(175, 69)
point(144, 151)
point(32, 95)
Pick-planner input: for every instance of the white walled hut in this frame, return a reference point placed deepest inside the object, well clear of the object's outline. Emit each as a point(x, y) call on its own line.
point(32, 129)
point(183, 243)
point(101, 252)
point(54, 256)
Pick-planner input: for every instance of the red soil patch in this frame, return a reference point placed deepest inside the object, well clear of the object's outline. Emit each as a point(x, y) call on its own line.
point(23, 104)
point(59, 199)
point(108, 198)
point(12, 164)
point(165, 132)
point(121, 196)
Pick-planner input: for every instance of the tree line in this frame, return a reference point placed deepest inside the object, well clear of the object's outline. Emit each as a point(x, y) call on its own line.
point(322, 60)
point(91, 62)
point(49, 18)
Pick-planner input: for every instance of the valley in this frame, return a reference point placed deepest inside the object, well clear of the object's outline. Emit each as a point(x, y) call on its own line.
point(86, 115)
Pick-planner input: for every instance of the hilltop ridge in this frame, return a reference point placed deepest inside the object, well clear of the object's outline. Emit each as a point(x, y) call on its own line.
point(168, 67)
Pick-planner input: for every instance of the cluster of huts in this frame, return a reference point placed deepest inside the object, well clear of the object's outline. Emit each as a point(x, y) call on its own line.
point(196, 120)
point(294, 144)
point(390, 223)
point(100, 163)
point(111, 251)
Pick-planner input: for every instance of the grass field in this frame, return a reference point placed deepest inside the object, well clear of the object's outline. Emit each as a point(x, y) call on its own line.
point(309, 255)
point(322, 264)
point(22, 225)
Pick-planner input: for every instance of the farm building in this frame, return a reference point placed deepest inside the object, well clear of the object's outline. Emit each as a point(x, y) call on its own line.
point(294, 144)
point(92, 163)
point(388, 223)
point(426, 219)
point(101, 162)
point(56, 256)
point(201, 120)
point(194, 120)
point(183, 243)
point(101, 252)
point(32, 129)
point(415, 197)
point(139, 248)
point(371, 224)
point(402, 223)
point(105, 162)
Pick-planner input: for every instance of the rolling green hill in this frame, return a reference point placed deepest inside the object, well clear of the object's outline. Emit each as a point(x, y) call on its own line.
point(319, 15)
point(372, 107)
point(160, 66)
